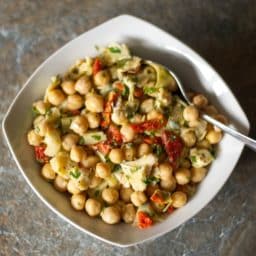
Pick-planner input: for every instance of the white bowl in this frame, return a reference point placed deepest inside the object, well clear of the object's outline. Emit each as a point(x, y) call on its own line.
point(152, 43)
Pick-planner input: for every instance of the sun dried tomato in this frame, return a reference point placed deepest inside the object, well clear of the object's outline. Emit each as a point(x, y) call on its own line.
point(114, 134)
point(97, 66)
point(173, 146)
point(40, 155)
point(151, 125)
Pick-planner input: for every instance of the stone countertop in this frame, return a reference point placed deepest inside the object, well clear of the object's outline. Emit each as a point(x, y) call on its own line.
point(223, 32)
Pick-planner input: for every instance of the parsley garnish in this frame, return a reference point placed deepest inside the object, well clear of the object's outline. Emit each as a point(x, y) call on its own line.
point(81, 141)
point(125, 91)
point(151, 179)
point(158, 149)
point(193, 159)
point(150, 90)
point(75, 173)
point(114, 50)
point(116, 168)
point(35, 111)
point(48, 112)
point(37, 129)
point(96, 137)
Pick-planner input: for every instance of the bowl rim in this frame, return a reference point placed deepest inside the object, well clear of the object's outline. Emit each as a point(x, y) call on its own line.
point(5, 130)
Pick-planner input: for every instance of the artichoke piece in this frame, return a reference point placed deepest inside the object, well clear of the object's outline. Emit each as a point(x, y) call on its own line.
point(200, 157)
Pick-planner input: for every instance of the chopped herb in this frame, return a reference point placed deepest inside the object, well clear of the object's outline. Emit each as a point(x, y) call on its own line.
point(150, 90)
point(121, 63)
point(81, 141)
point(151, 179)
point(158, 149)
point(116, 168)
point(96, 137)
point(114, 50)
point(75, 173)
point(126, 91)
point(35, 111)
point(48, 112)
point(135, 169)
point(37, 129)
point(193, 159)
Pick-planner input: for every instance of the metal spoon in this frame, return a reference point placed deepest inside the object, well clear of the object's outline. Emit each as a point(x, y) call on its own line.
point(238, 135)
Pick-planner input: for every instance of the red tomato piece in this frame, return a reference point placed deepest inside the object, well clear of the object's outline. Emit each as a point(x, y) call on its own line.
point(103, 147)
point(170, 209)
point(138, 92)
point(114, 134)
point(144, 220)
point(157, 198)
point(152, 140)
point(150, 125)
point(173, 146)
point(39, 153)
point(97, 66)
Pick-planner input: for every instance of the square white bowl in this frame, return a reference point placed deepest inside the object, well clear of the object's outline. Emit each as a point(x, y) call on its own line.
point(149, 42)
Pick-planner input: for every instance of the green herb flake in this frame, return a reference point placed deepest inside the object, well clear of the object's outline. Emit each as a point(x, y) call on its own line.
point(193, 159)
point(35, 111)
point(48, 112)
point(116, 168)
point(37, 129)
point(96, 137)
point(151, 179)
point(158, 150)
point(150, 90)
point(75, 173)
point(96, 193)
point(134, 169)
point(81, 141)
point(114, 50)
point(125, 93)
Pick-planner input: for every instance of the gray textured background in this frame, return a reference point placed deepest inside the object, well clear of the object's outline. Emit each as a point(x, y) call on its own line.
point(222, 31)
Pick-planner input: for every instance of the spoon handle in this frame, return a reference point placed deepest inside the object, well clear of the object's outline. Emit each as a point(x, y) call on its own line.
point(246, 140)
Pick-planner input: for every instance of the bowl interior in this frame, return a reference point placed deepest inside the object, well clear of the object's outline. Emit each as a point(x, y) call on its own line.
point(151, 43)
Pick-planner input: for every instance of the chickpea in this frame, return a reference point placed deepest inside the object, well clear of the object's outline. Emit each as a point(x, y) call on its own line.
point(125, 194)
point(90, 161)
point(83, 85)
point(129, 213)
point(93, 120)
point(34, 139)
point(130, 153)
point(79, 125)
point(103, 170)
point(198, 174)
point(182, 176)
point(185, 163)
point(154, 114)
point(189, 138)
point(93, 207)
point(203, 144)
point(147, 106)
point(72, 187)
point(190, 113)
point(95, 181)
point(41, 107)
point(41, 126)
point(127, 132)
point(56, 97)
point(210, 110)
point(78, 201)
point(144, 149)
point(75, 102)
point(60, 184)
point(165, 171)
point(111, 215)
point(101, 79)
point(221, 118)
point(200, 101)
point(151, 189)
point(116, 155)
point(47, 172)
point(69, 140)
point(165, 97)
point(94, 102)
point(138, 198)
point(179, 199)
point(168, 184)
point(77, 154)
point(214, 137)
point(68, 87)
point(110, 195)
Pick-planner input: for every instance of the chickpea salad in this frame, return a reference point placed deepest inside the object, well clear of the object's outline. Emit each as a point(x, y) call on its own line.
point(115, 136)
